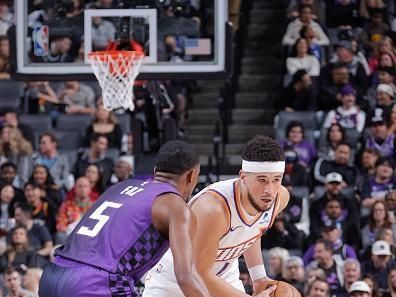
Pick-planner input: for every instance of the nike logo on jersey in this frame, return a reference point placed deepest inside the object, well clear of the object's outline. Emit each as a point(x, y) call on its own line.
point(232, 229)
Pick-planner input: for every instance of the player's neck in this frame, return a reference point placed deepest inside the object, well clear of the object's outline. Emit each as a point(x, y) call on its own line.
point(166, 178)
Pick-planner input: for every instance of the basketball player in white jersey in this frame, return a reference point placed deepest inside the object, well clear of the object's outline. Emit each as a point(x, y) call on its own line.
point(231, 217)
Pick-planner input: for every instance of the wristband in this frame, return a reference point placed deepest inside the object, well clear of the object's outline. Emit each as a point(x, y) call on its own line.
point(257, 272)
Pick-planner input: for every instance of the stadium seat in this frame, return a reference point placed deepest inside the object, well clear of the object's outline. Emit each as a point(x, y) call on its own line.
point(307, 118)
point(309, 135)
point(125, 122)
point(113, 154)
point(11, 92)
point(302, 192)
point(71, 156)
point(75, 122)
point(68, 140)
point(38, 122)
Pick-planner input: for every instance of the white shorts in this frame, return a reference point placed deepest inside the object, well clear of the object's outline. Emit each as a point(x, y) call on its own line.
point(161, 279)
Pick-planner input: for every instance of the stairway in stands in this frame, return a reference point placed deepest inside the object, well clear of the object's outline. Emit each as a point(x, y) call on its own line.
point(258, 86)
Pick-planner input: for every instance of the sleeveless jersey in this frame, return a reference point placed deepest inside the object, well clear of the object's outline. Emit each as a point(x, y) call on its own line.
point(117, 234)
point(242, 231)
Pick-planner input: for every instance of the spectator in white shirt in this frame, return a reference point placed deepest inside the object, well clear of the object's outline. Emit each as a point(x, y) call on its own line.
point(300, 59)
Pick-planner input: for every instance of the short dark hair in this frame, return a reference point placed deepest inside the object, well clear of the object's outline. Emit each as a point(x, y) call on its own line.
point(95, 137)
point(327, 244)
point(26, 208)
point(293, 52)
point(32, 183)
point(303, 6)
point(176, 157)
point(294, 124)
point(385, 161)
point(262, 148)
point(51, 136)
point(342, 131)
point(8, 164)
point(298, 75)
point(344, 143)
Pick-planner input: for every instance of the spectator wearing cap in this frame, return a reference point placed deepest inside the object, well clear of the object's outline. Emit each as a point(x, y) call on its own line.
point(298, 95)
point(384, 101)
point(293, 272)
point(305, 18)
point(377, 220)
point(341, 250)
point(383, 75)
point(360, 289)
point(332, 267)
point(379, 138)
point(348, 115)
point(352, 273)
point(123, 169)
point(301, 59)
point(306, 152)
point(380, 263)
point(340, 165)
point(377, 187)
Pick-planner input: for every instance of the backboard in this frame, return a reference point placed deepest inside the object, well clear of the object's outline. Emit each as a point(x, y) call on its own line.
point(188, 39)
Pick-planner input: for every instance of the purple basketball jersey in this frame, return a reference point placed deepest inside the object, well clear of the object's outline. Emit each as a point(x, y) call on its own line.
point(117, 234)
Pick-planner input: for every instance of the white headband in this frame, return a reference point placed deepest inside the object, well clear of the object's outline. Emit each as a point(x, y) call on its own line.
point(258, 167)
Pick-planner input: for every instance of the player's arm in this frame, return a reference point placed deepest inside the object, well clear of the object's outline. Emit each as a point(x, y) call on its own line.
point(173, 218)
point(212, 224)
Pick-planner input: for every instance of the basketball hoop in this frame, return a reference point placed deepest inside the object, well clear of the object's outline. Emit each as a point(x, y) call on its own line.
point(116, 72)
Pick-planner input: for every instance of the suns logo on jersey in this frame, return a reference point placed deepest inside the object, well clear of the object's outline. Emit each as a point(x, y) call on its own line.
point(226, 254)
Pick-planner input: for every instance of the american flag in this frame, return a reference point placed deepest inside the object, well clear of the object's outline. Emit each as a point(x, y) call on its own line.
point(197, 46)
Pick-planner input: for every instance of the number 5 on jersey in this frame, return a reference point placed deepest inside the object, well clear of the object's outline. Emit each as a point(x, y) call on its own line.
point(102, 219)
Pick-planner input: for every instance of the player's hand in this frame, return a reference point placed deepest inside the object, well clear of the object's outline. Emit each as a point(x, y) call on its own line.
point(267, 292)
point(259, 284)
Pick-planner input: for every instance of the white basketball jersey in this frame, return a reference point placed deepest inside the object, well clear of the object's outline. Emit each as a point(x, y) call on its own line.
point(243, 230)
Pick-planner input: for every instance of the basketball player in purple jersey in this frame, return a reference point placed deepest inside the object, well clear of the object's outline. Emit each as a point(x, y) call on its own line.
point(127, 231)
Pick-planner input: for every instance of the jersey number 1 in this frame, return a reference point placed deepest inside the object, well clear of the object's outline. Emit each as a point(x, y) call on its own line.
point(102, 219)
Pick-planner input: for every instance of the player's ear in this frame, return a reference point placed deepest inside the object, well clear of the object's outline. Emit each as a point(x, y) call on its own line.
point(189, 176)
point(242, 174)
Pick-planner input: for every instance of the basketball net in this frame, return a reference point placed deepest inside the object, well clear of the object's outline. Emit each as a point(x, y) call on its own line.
point(116, 72)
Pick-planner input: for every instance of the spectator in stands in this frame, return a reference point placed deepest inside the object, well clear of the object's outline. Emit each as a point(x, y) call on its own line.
point(245, 277)
point(384, 101)
point(311, 275)
point(16, 149)
point(383, 54)
point(13, 281)
point(392, 121)
point(11, 119)
point(8, 176)
point(390, 200)
point(57, 164)
point(20, 253)
point(341, 250)
point(95, 179)
point(7, 202)
point(6, 17)
point(39, 236)
point(360, 289)
point(277, 257)
point(59, 50)
point(377, 187)
point(374, 29)
point(4, 58)
point(373, 285)
point(380, 263)
point(313, 48)
point(341, 16)
point(39, 97)
point(44, 210)
point(298, 95)
point(318, 288)
point(305, 18)
point(332, 79)
point(378, 219)
point(105, 123)
point(346, 55)
point(95, 154)
point(79, 97)
point(282, 234)
point(331, 266)
point(122, 169)
point(348, 114)
point(379, 138)
point(335, 134)
point(339, 164)
point(103, 33)
point(367, 5)
point(295, 173)
point(293, 272)
point(295, 138)
point(301, 59)
point(72, 210)
point(391, 284)
point(49, 189)
point(31, 279)
point(384, 75)
point(352, 274)
point(293, 8)
point(367, 165)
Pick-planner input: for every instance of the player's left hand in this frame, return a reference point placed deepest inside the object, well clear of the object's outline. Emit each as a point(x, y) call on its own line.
point(259, 284)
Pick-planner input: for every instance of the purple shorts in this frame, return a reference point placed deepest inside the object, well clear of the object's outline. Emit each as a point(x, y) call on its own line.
point(66, 278)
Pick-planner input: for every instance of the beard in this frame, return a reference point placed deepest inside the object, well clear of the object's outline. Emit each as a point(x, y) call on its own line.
point(257, 206)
